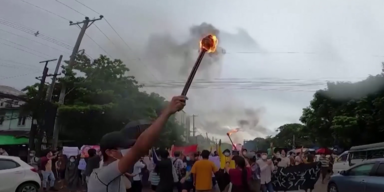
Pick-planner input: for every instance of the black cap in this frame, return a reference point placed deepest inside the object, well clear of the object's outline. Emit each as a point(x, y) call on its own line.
point(115, 140)
point(134, 128)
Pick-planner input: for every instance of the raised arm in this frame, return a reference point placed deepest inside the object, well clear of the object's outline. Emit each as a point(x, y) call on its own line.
point(147, 139)
point(155, 158)
point(219, 152)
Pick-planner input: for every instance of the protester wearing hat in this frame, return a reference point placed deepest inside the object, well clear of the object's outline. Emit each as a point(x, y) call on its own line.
point(120, 154)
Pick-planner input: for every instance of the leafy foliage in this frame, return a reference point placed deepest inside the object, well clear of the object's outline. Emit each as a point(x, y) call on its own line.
point(347, 114)
point(344, 114)
point(102, 97)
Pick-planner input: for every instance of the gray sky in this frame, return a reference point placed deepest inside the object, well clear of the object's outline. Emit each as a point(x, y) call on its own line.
point(277, 52)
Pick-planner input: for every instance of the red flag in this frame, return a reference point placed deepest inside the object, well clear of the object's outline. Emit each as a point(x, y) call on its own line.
point(184, 149)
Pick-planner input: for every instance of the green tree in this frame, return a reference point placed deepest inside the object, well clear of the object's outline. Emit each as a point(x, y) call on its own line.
point(262, 143)
point(102, 97)
point(288, 132)
point(347, 114)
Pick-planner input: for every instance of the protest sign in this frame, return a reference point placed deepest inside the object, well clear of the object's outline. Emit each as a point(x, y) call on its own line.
point(297, 177)
point(84, 149)
point(70, 151)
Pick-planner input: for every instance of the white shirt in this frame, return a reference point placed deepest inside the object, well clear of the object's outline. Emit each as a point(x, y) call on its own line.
point(137, 170)
point(265, 171)
point(284, 162)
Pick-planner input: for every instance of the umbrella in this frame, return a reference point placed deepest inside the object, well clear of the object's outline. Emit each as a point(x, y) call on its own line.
point(323, 151)
point(134, 128)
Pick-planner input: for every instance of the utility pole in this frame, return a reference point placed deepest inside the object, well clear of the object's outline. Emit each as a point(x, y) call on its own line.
point(293, 141)
point(54, 76)
point(188, 128)
point(194, 128)
point(37, 129)
point(86, 23)
point(49, 99)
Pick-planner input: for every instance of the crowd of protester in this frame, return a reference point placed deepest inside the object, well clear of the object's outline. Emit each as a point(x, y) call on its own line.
point(159, 170)
point(123, 165)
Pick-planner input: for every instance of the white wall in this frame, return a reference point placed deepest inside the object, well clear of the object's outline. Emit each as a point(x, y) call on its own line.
point(11, 121)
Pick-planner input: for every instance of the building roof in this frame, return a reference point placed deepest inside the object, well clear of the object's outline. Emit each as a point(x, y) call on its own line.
point(10, 90)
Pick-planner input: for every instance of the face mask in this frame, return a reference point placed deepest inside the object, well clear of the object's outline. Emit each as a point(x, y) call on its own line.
point(72, 160)
point(226, 154)
point(188, 158)
point(264, 157)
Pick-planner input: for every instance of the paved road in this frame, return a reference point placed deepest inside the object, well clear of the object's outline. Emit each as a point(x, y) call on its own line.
point(318, 188)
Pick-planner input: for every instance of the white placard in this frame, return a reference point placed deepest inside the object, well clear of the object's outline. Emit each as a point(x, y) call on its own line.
point(70, 151)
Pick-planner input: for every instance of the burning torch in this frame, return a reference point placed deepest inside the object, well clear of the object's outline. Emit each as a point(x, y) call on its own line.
point(207, 44)
point(229, 133)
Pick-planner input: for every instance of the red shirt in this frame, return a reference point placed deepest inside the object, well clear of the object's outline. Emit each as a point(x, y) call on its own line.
point(43, 161)
point(235, 176)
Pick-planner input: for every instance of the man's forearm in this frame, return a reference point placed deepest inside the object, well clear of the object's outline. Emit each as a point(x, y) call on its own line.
point(187, 175)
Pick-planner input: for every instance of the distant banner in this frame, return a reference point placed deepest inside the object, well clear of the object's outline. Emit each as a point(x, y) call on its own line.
point(84, 149)
point(70, 151)
point(185, 149)
point(299, 177)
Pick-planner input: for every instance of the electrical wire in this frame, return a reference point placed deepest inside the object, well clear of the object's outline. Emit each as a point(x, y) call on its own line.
point(69, 7)
point(15, 67)
point(32, 32)
point(242, 88)
point(46, 10)
point(22, 50)
point(88, 7)
point(17, 63)
point(32, 40)
point(122, 39)
point(253, 81)
point(17, 76)
point(25, 47)
point(98, 45)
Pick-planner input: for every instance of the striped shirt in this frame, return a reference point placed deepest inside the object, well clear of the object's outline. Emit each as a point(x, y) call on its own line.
point(154, 178)
point(324, 162)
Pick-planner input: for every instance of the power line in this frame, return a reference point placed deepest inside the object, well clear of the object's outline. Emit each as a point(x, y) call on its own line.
point(106, 36)
point(23, 50)
point(17, 76)
point(98, 45)
point(129, 47)
point(46, 10)
point(25, 47)
point(20, 36)
point(32, 32)
point(15, 67)
point(248, 81)
point(17, 63)
point(71, 8)
point(88, 7)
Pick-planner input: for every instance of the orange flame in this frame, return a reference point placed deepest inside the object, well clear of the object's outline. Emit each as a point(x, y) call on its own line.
point(233, 131)
point(209, 43)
